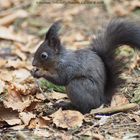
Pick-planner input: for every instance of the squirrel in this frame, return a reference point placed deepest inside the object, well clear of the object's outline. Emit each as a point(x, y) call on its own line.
point(90, 75)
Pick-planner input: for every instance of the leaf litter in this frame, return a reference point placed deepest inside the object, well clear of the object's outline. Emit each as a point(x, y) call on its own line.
point(27, 105)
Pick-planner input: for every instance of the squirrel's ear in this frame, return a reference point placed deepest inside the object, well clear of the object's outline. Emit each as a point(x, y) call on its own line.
point(54, 43)
point(53, 30)
point(52, 36)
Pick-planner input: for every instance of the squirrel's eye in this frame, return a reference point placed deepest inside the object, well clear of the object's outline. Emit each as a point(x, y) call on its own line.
point(44, 55)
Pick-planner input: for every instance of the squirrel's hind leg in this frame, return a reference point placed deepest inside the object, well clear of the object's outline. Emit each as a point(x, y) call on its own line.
point(85, 94)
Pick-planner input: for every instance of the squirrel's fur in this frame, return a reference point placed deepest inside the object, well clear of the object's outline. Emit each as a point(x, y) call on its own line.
point(90, 75)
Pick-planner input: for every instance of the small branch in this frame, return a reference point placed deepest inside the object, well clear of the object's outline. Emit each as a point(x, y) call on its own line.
point(93, 135)
point(115, 109)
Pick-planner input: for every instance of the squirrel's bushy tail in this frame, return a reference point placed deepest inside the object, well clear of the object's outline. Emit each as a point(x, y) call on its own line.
point(118, 32)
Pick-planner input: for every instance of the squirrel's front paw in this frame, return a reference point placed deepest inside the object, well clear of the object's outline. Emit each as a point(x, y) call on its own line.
point(36, 73)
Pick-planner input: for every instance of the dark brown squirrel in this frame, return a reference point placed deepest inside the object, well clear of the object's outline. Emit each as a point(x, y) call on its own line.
point(90, 75)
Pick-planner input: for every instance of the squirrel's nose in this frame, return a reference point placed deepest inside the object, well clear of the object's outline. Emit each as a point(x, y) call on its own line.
point(34, 63)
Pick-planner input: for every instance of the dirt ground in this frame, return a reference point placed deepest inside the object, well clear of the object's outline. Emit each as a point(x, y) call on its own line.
point(27, 108)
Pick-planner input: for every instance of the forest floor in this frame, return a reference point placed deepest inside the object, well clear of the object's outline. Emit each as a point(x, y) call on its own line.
point(27, 108)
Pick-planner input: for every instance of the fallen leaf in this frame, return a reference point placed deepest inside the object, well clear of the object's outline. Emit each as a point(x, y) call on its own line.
point(56, 95)
point(16, 64)
point(131, 136)
point(74, 37)
point(2, 124)
point(62, 136)
point(7, 113)
point(103, 120)
point(40, 96)
point(21, 74)
point(13, 121)
point(134, 4)
point(67, 119)
point(5, 4)
point(22, 47)
point(135, 118)
point(2, 62)
point(20, 135)
point(20, 54)
point(120, 11)
point(6, 33)
point(137, 112)
point(2, 86)
point(118, 100)
point(15, 100)
point(9, 116)
point(22, 86)
point(39, 123)
point(5, 76)
point(6, 20)
point(45, 118)
point(42, 133)
point(136, 96)
point(26, 117)
point(32, 106)
point(18, 127)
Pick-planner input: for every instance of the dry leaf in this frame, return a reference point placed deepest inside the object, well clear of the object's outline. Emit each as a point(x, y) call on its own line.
point(20, 54)
point(98, 136)
point(5, 4)
point(135, 118)
point(39, 123)
point(9, 116)
point(22, 47)
point(40, 96)
point(56, 95)
point(73, 11)
point(13, 121)
point(23, 88)
point(32, 106)
point(26, 117)
point(120, 11)
point(2, 86)
point(20, 135)
point(5, 76)
point(18, 64)
point(67, 119)
point(42, 133)
point(103, 120)
point(134, 4)
point(18, 127)
point(12, 16)
point(7, 113)
point(74, 37)
point(63, 136)
point(2, 124)
point(2, 62)
point(15, 100)
point(21, 74)
point(45, 118)
point(118, 100)
point(6, 33)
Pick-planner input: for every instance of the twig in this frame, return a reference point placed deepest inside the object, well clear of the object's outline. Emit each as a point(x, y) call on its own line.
point(115, 109)
point(94, 135)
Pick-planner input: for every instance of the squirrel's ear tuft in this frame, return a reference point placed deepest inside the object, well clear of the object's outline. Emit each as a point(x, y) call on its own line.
point(53, 30)
point(52, 36)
